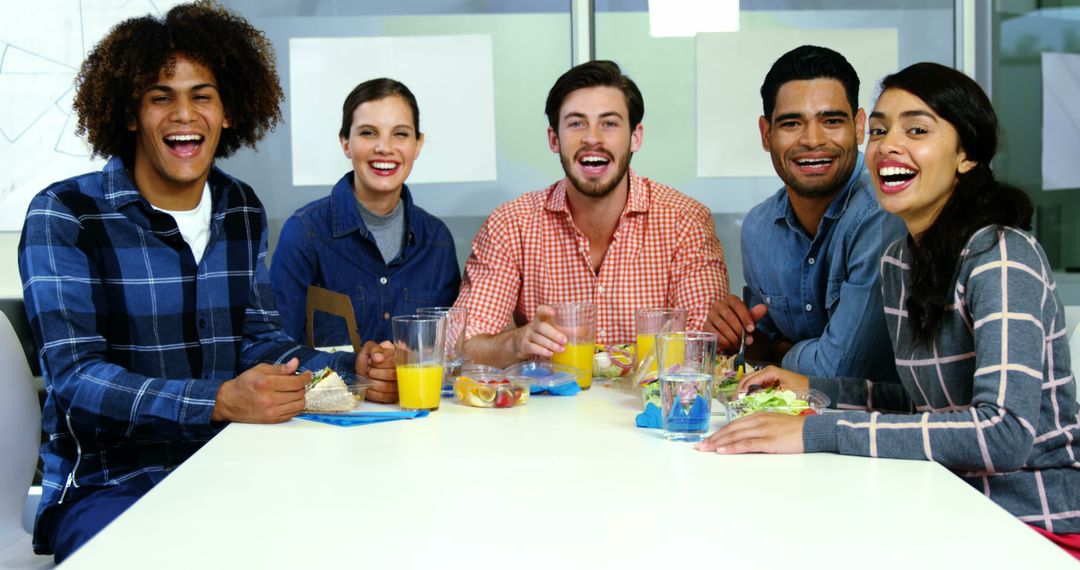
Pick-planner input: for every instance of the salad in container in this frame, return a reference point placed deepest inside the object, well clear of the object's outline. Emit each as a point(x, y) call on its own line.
point(777, 401)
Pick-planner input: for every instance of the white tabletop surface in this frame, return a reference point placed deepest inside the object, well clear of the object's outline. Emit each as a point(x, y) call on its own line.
point(557, 483)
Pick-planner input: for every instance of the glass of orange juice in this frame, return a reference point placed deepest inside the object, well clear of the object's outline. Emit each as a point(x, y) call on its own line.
point(418, 340)
point(578, 322)
point(649, 322)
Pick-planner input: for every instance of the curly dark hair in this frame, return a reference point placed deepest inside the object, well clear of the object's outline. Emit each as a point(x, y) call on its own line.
point(132, 56)
point(979, 199)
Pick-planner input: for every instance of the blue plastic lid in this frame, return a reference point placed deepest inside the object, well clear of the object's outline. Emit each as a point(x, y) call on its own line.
point(544, 374)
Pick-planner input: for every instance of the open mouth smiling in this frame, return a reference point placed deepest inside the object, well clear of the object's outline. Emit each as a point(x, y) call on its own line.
point(594, 163)
point(384, 167)
point(895, 176)
point(185, 144)
point(813, 165)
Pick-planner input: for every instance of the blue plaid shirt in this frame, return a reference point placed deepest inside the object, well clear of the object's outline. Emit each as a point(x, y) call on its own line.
point(135, 338)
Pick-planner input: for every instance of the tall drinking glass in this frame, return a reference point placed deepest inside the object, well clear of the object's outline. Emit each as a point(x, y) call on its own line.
point(419, 343)
point(454, 321)
point(578, 322)
point(648, 323)
point(686, 362)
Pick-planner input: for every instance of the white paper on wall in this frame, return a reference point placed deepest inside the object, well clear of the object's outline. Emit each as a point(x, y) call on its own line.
point(1061, 120)
point(451, 76)
point(42, 46)
point(730, 70)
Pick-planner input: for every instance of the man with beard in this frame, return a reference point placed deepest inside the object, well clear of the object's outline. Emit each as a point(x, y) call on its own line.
point(602, 234)
point(811, 251)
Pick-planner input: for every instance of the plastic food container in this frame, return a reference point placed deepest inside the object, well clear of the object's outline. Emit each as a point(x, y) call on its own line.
point(808, 402)
point(650, 394)
point(613, 361)
point(725, 389)
point(336, 400)
point(485, 390)
point(544, 375)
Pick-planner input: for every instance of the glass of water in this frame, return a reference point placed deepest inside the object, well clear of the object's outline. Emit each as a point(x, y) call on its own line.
point(454, 319)
point(685, 362)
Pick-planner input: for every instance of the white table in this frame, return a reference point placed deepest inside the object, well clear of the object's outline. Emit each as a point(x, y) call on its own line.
point(558, 483)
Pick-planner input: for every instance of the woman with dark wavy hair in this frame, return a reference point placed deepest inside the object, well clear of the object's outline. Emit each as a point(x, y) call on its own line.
point(976, 324)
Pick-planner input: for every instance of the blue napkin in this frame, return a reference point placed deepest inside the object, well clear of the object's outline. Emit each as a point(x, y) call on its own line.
point(650, 418)
point(696, 419)
point(567, 389)
point(361, 418)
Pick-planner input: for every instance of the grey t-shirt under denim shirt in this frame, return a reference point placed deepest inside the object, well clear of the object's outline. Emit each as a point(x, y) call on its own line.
point(388, 230)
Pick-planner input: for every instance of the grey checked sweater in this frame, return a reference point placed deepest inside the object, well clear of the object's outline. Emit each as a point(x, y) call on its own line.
point(993, 398)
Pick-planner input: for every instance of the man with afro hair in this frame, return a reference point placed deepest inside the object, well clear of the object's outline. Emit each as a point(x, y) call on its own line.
point(145, 283)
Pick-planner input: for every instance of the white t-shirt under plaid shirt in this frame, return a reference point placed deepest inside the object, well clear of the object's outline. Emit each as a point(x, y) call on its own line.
point(664, 253)
point(993, 393)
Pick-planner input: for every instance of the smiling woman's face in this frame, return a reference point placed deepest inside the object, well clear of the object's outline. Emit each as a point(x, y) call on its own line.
point(914, 157)
point(382, 145)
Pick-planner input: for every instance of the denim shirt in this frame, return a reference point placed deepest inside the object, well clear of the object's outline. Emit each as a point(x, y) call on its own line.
point(326, 243)
point(824, 292)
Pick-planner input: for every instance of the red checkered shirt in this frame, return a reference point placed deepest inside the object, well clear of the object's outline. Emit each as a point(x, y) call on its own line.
point(664, 253)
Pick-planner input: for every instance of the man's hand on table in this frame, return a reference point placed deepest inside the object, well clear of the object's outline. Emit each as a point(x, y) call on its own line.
point(263, 394)
point(729, 317)
point(376, 362)
point(537, 338)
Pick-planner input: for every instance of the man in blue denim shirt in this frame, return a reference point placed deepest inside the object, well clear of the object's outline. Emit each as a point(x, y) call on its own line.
point(811, 252)
point(367, 240)
point(145, 283)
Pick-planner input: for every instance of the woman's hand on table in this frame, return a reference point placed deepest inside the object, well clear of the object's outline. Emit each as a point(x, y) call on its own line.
point(376, 362)
point(758, 433)
point(775, 377)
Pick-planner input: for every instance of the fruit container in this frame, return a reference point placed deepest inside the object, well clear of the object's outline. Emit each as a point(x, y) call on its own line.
point(790, 402)
point(544, 375)
point(487, 390)
point(335, 399)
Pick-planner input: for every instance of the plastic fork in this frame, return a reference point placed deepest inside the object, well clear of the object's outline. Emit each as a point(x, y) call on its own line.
point(739, 364)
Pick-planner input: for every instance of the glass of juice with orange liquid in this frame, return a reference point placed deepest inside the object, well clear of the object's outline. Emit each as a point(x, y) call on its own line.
point(578, 322)
point(649, 322)
point(419, 344)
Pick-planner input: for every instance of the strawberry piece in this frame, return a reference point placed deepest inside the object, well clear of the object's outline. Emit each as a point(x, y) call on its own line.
point(504, 399)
